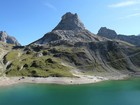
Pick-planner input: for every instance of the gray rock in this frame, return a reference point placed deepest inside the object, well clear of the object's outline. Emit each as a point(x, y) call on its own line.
point(108, 33)
point(111, 34)
point(4, 37)
point(70, 22)
point(39, 54)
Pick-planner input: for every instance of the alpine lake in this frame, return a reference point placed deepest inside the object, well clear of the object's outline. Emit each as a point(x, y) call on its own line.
point(121, 92)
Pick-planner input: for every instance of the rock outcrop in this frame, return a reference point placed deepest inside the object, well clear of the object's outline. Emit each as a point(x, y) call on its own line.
point(4, 37)
point(108, 33)
point(70, 22)
point(111, 34)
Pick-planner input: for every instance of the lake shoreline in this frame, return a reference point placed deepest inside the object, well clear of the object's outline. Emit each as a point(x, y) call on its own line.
point(86, 79)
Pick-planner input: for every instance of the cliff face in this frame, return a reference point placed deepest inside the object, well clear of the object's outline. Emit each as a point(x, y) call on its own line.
point(4, 37)
point(108, 33)
point(111, 34)
point(70, 22)
point(70, 46)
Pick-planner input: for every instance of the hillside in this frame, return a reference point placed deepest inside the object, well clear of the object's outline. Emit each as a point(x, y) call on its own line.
point(4, 49)
point(70, 48)
point(6, 44)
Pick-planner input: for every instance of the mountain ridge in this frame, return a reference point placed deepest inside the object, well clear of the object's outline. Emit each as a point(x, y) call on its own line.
point(72, 47)
point(71, 29)
point(111, 34)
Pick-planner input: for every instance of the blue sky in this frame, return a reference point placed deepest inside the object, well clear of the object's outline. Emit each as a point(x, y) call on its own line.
point(29, 20)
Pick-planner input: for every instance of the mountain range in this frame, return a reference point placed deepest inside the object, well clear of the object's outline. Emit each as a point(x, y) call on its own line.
point(71, 47)
point(111, 34)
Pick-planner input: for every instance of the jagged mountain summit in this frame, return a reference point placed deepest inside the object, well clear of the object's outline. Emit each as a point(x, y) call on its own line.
point(111, 34)
point(4, 37)
point(70, 22)
point(70, 29)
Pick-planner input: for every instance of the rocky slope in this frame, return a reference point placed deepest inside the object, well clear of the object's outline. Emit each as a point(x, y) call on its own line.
point(4, 37)
point(4, 49)
point(111, 34)
point(6, 44)
point(69, 46)
point(2, 67)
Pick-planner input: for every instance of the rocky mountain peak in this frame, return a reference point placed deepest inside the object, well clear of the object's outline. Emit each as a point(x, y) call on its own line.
point(69, 30)
point(108, 33)
point(69, 15)
point(70, 21)
point(4, 37)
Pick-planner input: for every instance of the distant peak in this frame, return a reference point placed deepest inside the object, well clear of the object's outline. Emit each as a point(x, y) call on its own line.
point(70, 21)
point(106, 32)
point(4, 37)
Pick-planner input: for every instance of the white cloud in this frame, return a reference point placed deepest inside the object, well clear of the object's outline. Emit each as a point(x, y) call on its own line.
point(125, 3)
point(51, 6)
point(131, 16)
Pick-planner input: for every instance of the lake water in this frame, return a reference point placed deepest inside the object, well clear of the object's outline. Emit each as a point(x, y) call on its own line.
point(124, 92)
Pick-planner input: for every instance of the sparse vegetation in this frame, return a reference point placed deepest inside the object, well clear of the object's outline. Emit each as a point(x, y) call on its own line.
point(47, 61)
point(29, 65)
